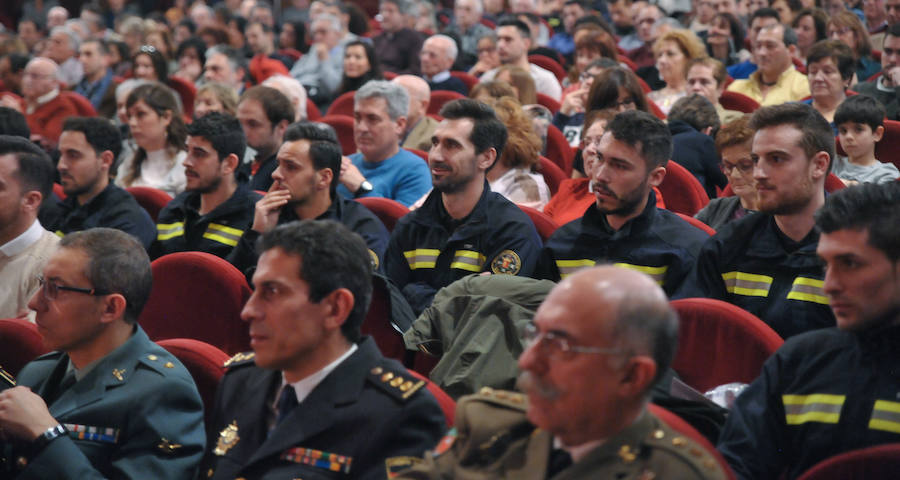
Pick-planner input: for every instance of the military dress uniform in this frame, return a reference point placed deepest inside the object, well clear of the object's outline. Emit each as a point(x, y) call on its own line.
point(366, 416)
point(656, 242)
point(180, 227)
point(352, 214)
point(430, 250)
point(493, 439)
point(135, 414)
point(751, 264)
point(821, 394)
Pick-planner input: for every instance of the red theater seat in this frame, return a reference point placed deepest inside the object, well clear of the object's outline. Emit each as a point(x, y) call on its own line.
point(448, 405)
point(343, 126)
point(387, 210)
point(342, 105)
point(21, 343)
point(542, 222)
point(205, 364)
point(152, 199)
point(682, 191)
point(553, 175)
point(882, 461)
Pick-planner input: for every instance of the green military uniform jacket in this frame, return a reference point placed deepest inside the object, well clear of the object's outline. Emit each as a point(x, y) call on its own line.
point(494, 439)
point(135, 414)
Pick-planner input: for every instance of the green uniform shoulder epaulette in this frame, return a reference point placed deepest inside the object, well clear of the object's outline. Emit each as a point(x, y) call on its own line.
point(513, 400)
point(681, 447)
point(239, 360)
point(399, 384)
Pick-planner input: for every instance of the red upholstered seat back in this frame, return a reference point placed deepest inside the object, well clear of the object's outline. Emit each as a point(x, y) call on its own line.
point(343, 126)
point(542, 222)
point(448, 405)
point(682, 190)
point(882, 461)
point(387, 210)
point(152, 199)
point(205, 364)
point(21, 343)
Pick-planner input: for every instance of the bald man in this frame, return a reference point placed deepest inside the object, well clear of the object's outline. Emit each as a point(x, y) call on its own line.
point(420, 127)
point(45, 110)
point(602, 338)
point(436, 59)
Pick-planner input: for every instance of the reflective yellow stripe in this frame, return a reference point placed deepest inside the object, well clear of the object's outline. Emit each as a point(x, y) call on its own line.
point(422, 257)
point(816, 407)
point(748, 284)
point(808, 290)
point(568, 267)
point(657, 273)
point(468, 260)
point(59, 233)
point(166, 231)
point(885, 416)
point(223, 234)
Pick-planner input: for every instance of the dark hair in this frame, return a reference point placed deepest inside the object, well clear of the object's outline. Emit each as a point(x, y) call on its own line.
point(332, 257)
point(838, 51)
point(860, 109)
point(651, 325)
point(101, 43)
point(299, 36)
point(869, 206)
point(222, 131)
point(512, 21)
point(593, 20)
point(644, 132)
point(322, 157)
point(359, 21)
point(764, 12)
point(99, 132)
point(487, 130)
point(35, 170)
point(160, 64)
point(819, 18)
point(196, 43)
point(818, 136)
point(187, 22)
point(349, 84)
point(161, 99)
point(276, 105)
point(604, 93)
point(235, 58)
point(893, 30)
point(117, 263)
point(697, 111)
point(734, 27)
point(12, 122)
point(312, 131)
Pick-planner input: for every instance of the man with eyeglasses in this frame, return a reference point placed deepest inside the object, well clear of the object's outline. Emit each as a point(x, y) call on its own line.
point(599, 342)
point(107, 402)
point(624, 225)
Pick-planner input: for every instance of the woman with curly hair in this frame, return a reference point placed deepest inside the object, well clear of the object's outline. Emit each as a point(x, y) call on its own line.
point(673, 50)
point(513, 174)
point(156, 124)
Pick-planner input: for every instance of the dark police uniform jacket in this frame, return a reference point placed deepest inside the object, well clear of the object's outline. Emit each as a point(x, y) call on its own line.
point(430, 250)
point(136, 414)
point(114, 207)
point(657, 242)
point(494, 440)
point(352, 214)
point(180, 227)
point(262, 179)
point(751, 264)
point(367, 411)
point(822, 393)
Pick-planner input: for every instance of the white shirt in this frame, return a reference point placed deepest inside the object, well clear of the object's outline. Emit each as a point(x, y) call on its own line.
point(302, 388)
point(23, 241)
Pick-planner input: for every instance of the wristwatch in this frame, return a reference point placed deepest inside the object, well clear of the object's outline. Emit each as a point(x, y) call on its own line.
point(48, 436)
point(364, 187)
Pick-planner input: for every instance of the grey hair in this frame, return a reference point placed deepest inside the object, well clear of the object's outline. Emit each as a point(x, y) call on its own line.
point(333, 21)
point(74, 38)
point(647, 325)
point(394, 95)
point(127, 85)
point(452, 51)
point(292, 89)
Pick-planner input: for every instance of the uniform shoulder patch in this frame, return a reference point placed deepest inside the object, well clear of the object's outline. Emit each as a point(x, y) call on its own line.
point(514, 400)
point(240, 359)
point(398, 384)
point(683, 448)
point(6, 379)
point(506, 262)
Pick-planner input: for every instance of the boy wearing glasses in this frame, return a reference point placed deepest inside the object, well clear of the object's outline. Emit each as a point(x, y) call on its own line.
point(107, 401)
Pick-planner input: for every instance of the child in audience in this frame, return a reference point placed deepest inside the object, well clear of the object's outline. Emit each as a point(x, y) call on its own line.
point(860, 123)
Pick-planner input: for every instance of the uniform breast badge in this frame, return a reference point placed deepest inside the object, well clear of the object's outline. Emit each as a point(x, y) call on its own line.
point(228, 438)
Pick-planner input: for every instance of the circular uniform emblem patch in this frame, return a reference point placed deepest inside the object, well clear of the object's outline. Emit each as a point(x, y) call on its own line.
point(507, 262)
point(374, 259)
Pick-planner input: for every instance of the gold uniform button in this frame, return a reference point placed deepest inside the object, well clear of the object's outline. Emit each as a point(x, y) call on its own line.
point(387, 376)
point(679, 441)
point(396, 382)
point(659, 434)
point(209, 473)
point(377, 371)
point(406, 386)
point(152, 357)
point(169, 365)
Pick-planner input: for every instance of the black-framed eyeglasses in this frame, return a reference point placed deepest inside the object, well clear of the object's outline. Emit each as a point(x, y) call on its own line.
point(553, 343)
point(51, 289)
point(743, 167)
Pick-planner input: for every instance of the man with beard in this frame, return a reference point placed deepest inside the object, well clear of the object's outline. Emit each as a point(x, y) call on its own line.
point(215, 209)
point(463, 227)
point(765, 263)
point(624, 226)
point(304, 187)
point(599, 342)
point(88, 149)
point(833, 390)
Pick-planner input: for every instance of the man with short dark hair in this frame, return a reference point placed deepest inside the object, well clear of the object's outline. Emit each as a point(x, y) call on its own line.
point(88, 149)
point(624, 226)
point(599, 343)
point(261, 40)
point(834, 390)
point(305, 188)
point(759, 19)
point(764, 263)
point(463, 227)
point(264, 113)
point(513, 43)
point(776, 81)
point(693, 122)
point(397, 46)
point(886, 88)
point(98, 84)
point(215, 209)
point(108, 402)
point(26, 174)
point(315, 398)
point(706, 76)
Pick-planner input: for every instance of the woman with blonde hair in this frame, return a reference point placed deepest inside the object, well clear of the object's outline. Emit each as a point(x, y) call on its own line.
point(484, 91)
point(215, 97)
point(673, 50)
point(514, 173)
point(156, 124)
point(521, 81)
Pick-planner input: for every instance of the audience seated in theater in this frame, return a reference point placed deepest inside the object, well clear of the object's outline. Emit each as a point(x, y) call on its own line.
point(98, 84)
point(360, 65)
point(776, 81)
point(44, 108)
point(860, 122)
point(293, 90)
point(673, 50)
point(436, 59)
point(830, 72)
point(419, 126)
point(693, 122)
point(397, 46)
point(264, 113)
point(215, 97)
point(706, 76)
point(886, 88)
point(513, 43)
point(764, 262)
